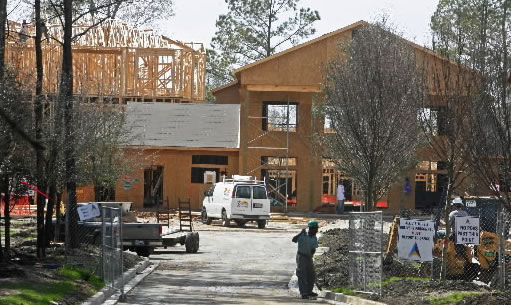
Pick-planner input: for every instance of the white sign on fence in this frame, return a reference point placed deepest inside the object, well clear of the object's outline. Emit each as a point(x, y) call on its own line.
point(88, 211)
point(416, 240)
point(467, 230)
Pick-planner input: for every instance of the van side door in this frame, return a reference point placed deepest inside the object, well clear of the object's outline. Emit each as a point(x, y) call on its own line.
point(242, 201)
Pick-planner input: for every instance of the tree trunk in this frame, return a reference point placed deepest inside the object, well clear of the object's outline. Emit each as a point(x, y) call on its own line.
point(66, 97)
point(7, 215)
point(49, 229)
point(38, 115)
point(3, 21)
point(57, 214)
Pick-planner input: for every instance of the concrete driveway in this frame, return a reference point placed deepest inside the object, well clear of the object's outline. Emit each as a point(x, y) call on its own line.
point(233, 266)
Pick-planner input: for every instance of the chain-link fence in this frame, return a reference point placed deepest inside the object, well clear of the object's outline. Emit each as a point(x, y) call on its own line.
point(112, 254)
point(80, 229)
point(365, 251)
point(471, 245)
point(92, 235)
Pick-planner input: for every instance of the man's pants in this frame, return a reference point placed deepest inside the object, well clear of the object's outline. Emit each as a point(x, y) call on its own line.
point(340, 206)
point(305, 273)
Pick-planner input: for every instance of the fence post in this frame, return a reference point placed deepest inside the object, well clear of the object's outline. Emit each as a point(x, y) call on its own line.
point(122, 298)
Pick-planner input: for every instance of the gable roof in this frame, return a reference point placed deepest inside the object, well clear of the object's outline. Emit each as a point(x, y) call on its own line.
point(323, 37)
point(302, 45)
point(184, 125)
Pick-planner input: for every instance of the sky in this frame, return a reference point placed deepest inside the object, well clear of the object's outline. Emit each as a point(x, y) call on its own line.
point(194, 20)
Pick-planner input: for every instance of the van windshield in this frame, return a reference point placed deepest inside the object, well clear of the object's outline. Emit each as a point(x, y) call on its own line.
point(259, 192)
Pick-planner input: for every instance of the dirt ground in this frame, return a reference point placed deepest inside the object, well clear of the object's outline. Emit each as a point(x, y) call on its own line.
point(25, 267)
point(332, 272)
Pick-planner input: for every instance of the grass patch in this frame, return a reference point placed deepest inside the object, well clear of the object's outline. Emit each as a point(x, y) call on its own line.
point(75, 273)
point(395, 278)
point(37, 294)
point(452, 298)
point(345, 291)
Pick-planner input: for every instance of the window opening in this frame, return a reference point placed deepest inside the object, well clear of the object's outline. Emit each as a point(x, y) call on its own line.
point(275, 116)
point(277, 161)
point(210, 159)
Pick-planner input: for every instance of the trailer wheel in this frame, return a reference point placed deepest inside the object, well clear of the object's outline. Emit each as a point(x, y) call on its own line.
point(143, 251)
point(240, 223)
point(192, 242)
point(204, 216)
point(225, 221)
point(261, 224)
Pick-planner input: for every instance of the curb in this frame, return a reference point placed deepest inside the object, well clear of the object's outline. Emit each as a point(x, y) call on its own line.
point(102, 296)
point(348, 299)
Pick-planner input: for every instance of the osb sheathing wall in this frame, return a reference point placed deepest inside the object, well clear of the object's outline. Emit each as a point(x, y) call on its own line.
point(296, 75)
point(177, 164)
point(115, 60)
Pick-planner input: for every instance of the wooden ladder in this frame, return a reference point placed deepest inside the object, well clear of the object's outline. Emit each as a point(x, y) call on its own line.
point(185, 215)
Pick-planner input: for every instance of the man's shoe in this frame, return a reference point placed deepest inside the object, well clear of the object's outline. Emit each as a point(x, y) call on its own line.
point(305, 296)
point(313, 294)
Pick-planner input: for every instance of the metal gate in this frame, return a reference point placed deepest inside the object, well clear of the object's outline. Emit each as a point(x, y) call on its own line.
point(112, 254)
point(365, 251)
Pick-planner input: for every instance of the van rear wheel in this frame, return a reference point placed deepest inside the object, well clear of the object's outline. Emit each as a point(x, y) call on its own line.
point(261, 224)
point(225, 221)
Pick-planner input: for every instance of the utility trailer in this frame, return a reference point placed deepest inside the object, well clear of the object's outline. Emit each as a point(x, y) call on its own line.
point(141, 238)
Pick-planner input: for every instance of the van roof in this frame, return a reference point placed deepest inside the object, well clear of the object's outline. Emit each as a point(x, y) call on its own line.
point(242, 179)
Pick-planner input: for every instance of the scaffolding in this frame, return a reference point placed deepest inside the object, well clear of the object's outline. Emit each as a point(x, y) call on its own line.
point(278, 152)
point(113, 61)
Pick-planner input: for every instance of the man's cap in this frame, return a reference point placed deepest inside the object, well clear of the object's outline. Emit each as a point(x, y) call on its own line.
point(313, 224)
point(457, 201)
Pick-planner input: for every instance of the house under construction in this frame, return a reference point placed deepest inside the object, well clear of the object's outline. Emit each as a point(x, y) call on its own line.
point(113, 61)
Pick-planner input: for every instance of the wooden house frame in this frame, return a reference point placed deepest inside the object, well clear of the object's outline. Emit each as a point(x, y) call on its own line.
point(113, 61)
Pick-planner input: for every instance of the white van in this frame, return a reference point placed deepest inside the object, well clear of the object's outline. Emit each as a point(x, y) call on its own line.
point(241, 199)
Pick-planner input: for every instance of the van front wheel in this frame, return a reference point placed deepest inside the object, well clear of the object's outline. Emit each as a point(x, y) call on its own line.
point(225, 221)
point(261, 224)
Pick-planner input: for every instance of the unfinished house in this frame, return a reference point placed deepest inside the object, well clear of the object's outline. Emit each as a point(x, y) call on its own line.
point(118, 64)
point(113, 61)
point(276, 97)
point(186, 148)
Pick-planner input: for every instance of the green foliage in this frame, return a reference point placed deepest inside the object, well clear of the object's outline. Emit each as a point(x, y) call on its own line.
point(452, 298)
point(345, 291)
point(37, 294)
point(394, 279)
point(75, 273)
point(252, 30)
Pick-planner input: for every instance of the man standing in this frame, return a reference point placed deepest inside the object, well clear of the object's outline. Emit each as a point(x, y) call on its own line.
point(307, 244)
point(458, 212)
point(340, 198)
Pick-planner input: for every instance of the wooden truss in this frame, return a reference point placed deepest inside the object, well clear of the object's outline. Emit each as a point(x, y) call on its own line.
point(114, 61)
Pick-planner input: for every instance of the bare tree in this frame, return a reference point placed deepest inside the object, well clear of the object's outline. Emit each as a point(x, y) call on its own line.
point(371, 94)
